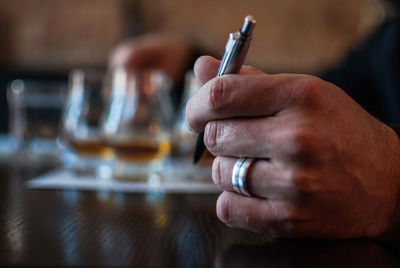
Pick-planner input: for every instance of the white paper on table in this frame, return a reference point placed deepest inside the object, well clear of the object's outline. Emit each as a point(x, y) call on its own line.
point(177, 178)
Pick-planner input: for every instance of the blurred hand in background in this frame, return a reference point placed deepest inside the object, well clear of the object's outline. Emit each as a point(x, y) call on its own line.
point(167, 52)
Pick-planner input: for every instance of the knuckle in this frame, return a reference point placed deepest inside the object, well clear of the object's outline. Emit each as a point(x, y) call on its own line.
point(216, 171)
point(303, 180)
point(187, 111)
point(309, 87)
point(303, 142)
point(188, 115)
point(223, 209)
point(219, 94)
point(213, 134)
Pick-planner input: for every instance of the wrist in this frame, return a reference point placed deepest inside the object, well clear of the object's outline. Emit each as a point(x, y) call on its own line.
point(392, 230)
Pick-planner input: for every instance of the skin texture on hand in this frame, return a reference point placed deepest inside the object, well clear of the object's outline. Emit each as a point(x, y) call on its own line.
point(325, 168)
point(167, 52)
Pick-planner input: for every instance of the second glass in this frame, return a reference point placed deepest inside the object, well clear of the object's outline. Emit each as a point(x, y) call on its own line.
point(83, 116)
point(137, 123)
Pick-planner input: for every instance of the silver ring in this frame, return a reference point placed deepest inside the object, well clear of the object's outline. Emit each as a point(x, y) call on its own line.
point(235, 174)
point(244, 168)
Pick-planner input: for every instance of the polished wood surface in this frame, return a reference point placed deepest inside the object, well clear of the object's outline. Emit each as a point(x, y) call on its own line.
point(43, 227)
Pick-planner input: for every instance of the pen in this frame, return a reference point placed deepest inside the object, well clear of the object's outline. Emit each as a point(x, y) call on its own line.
point(235, 53)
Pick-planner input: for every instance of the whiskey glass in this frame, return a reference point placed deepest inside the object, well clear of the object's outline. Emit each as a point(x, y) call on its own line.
point(88, 151)
point(184, 139)
point(137, 123)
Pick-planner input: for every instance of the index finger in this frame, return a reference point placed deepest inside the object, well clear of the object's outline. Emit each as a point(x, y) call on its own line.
point(243, 95)
point(206, 68)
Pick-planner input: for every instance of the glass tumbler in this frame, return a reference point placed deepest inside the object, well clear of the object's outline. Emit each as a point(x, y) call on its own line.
point(183, 139)
point(137, 123)
point(88, 151)
point(35, 113)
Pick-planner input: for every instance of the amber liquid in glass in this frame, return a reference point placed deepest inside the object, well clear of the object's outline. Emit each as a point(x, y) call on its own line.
point(95, 147)
point(146, 150)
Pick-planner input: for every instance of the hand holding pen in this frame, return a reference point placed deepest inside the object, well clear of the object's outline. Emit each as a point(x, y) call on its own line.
point(234, 56)
point(295, 156)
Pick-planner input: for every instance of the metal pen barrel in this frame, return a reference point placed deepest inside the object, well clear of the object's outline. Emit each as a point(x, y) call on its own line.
point(235, 53)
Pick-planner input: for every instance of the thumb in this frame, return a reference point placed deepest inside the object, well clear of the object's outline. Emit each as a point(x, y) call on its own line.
point(206, 68)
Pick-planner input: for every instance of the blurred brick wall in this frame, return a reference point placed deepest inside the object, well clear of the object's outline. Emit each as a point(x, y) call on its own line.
point(291, 35)
point(58, 34)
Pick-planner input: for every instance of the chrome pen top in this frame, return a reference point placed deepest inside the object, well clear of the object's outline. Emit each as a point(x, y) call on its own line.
point(236, 48)
point(248, 26)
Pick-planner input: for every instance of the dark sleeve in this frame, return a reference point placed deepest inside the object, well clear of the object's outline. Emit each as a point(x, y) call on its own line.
point(396, 128)
point(371, 73)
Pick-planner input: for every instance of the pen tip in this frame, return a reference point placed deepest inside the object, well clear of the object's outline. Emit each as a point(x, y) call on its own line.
point(199, 148)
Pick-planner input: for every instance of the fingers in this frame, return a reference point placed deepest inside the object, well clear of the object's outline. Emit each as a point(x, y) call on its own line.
point(257, 137)
point(260, 215)
point(132, 54)
point(206, 68)
point(250, 95)
point(264, 179)
point(288, 138)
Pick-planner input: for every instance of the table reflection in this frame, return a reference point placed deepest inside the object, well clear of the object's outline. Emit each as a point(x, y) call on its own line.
point(304, 253)
point(151, 230)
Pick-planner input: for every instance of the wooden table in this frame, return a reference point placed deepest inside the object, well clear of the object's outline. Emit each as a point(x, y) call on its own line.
point(43, 227)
